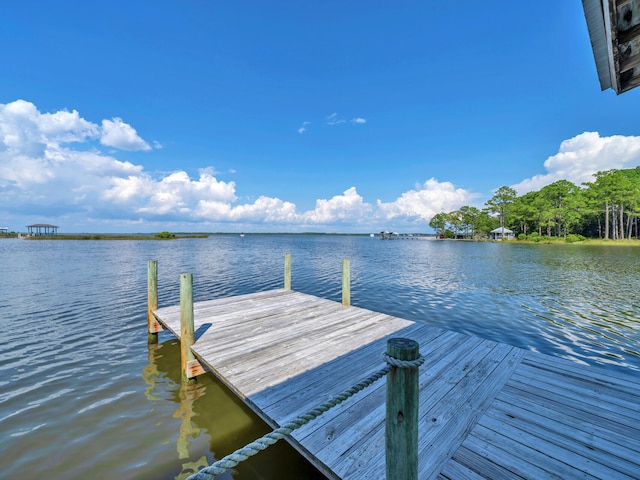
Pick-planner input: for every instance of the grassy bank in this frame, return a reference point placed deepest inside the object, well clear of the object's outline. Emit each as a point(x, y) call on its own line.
point(116, 237)
point(588, 241)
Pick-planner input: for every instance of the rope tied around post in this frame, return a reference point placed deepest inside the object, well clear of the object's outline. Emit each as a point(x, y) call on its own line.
point(394, 362)
point(255, 447)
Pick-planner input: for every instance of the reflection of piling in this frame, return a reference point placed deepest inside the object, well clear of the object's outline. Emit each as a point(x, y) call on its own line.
point(159, 375)
point(188, 394)
point(401, 429)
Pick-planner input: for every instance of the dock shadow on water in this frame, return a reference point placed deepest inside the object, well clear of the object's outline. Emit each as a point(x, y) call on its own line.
point(214, 422)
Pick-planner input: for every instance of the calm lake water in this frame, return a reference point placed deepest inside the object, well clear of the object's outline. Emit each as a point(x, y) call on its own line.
point(82, 395)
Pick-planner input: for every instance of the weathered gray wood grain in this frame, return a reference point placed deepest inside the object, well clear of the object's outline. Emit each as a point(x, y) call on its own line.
point(486, 410)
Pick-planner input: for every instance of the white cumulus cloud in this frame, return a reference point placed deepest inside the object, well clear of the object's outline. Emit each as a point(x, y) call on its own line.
point(49, 164)
point(348, 206)
point(24, 130)
point(173, 195)
point(425, 201)
point(116, 133)
point(39, 162)
point(578, 158)
point(266, 209)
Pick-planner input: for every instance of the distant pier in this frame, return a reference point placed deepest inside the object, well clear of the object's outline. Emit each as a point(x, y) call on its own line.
point(486, 410)
point(404, 236)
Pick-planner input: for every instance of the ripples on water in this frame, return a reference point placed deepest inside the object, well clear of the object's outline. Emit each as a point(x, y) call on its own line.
point(82, 395)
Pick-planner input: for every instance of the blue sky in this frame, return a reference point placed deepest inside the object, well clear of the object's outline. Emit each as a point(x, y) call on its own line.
point(190, 115)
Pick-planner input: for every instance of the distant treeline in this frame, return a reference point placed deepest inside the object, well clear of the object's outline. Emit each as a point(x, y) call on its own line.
point(108, 236)
point(606, 208)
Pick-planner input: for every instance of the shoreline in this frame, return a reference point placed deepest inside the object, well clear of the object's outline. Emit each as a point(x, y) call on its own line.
point(111, 237)
point(177, 236)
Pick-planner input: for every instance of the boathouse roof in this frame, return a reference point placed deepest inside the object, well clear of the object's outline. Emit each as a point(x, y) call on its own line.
point(501, 230)
point(42, 225)
point(614, 31)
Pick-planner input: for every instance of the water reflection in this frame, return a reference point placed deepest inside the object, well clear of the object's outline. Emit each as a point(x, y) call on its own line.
point(214, 422)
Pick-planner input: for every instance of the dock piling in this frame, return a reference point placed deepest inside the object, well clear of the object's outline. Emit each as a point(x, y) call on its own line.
point(401, 427)
point(187, 330)
point(152, 300)
point(346, 282)
point(287, 271)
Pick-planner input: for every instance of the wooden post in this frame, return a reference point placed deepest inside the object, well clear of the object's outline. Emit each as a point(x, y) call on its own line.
point(187, 330)
point(346, 282)
point(152, 300)
point(401, 432)
point(287, 271)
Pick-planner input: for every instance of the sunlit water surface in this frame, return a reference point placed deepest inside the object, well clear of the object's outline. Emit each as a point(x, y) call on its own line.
point(82, 395)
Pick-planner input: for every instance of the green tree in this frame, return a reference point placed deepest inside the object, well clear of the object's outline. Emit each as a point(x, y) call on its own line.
point(470, 217)
point(501, 202)
point(456, 222)
point(562, 201)
point(524, 212)
point(484, 224)
point(617, 194)
point(439, 223)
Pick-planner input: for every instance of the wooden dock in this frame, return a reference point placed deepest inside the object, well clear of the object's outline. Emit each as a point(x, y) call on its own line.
point(487, 410)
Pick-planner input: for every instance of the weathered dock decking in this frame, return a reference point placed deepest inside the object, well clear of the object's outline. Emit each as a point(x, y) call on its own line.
point(487, 410)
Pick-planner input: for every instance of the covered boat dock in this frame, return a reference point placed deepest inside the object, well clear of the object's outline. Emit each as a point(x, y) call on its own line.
point(42, 230)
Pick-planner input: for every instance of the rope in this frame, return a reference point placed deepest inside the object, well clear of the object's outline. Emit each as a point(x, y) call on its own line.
point(255, 447)
point(394, 362)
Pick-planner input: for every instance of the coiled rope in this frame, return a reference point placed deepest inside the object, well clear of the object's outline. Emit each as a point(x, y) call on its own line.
point(255, 447)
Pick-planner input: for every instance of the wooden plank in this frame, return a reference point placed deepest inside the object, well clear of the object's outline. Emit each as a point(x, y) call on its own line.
point(194, 368)
point(524, 425)
point(541, 451)
point(581, 414)
point(155, 326)
point(577, 411)
point(495, 457)
point(607, 405)
point(578, 426)
point(457, 471)
point(584, 388)
point(626, 384)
